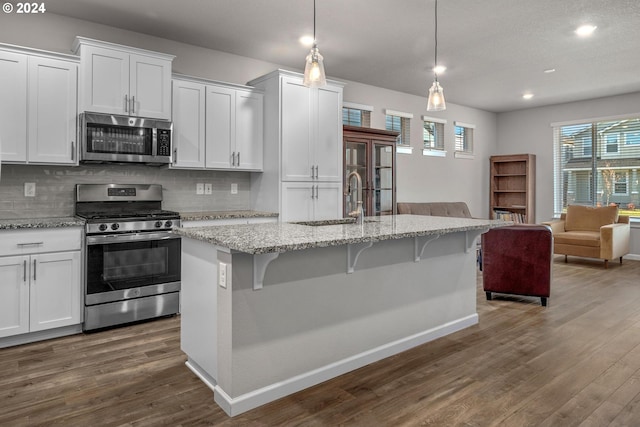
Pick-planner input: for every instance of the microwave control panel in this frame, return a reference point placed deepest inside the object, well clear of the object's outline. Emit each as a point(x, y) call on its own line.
point(164, 142)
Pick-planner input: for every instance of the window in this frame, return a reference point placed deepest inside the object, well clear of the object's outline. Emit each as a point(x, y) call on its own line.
point(464, 140)
point(597, 163)
point(400, 122)
point(433, 136)
point(356, 114)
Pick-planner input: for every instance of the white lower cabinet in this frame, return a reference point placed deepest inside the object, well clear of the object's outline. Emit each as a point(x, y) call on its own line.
point(304, 201)
point(39, 291)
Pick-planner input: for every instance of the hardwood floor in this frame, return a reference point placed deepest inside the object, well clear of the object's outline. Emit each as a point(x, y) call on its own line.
point(573, 363)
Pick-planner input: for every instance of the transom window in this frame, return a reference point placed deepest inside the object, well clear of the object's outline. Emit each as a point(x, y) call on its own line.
point(400, 122)
point(463, 139)
point(356, 114)
point(433, 136)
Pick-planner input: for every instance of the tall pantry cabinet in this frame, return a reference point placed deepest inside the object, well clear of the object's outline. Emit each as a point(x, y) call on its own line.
point(302, 178)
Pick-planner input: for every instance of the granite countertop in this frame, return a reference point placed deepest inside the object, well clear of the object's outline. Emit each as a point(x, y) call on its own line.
point(284, 237)
point(212, 215)
point(53, 222)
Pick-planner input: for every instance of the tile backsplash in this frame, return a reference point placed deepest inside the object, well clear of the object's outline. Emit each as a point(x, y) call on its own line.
point(55, 187)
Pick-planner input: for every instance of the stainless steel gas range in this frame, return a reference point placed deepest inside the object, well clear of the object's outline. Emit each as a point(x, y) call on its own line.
point(132, 260)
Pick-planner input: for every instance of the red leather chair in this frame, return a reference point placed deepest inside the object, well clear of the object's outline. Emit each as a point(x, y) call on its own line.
point(517, 259)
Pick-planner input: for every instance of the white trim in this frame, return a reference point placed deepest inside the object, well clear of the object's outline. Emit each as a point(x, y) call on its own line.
point(357, 106)
point(404, 149)
point(47, 334)
point(389, 112)
point(237, 405)
point(464, 125)
point(463, 155)
point(434, 120)
point(596, 119)
point(434, 153)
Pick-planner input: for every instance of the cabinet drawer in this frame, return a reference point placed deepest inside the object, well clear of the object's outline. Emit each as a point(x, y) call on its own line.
point(33, 241)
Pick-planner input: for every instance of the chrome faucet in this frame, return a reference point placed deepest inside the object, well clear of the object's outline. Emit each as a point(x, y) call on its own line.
point(357, 214)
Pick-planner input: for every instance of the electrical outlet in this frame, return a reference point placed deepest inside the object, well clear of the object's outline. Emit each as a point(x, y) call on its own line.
point(29, 189)
point(208, 188)
point(234, 188)
point(222, 274)
point(199, 188)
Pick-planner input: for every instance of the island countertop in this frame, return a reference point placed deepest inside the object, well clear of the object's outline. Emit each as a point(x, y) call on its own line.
point(285, 237)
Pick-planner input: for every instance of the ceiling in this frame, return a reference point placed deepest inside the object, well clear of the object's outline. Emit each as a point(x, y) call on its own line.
point(494, 50)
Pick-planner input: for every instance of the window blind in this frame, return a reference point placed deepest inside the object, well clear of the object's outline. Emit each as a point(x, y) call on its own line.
point(433, 133)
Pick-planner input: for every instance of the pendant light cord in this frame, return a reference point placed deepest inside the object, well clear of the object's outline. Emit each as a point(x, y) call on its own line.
point(314, 22)
point(436, 38)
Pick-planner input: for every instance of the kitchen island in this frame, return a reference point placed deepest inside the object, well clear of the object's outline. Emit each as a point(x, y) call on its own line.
point(270, 309)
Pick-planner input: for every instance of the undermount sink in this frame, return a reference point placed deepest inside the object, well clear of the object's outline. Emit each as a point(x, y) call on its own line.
point(338, 221)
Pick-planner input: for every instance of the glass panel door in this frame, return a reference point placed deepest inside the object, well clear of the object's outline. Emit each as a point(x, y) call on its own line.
point(355, 160)
point(382, 179)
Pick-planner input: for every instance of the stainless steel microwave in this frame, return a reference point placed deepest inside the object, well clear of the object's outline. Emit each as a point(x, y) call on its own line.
point(123, 139)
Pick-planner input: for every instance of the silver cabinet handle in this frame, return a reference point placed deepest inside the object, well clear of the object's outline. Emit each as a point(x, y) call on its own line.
point(133, 104)
point(312, 176)
point(238, 163)
point(73, 150)
point(30, 244)
point(126, 103)
point(24, 270)
point(233, 158)
point(34, 270)
point(316, 171)
point(175, 155)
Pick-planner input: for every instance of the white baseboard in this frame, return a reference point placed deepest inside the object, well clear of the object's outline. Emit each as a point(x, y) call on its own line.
point(237, 405)
point(633, 257)
point(40, 335)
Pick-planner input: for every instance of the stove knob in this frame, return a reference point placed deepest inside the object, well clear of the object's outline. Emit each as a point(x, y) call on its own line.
point(102, 227)
point(115, 226)
point(168, 224)
point(158, 224)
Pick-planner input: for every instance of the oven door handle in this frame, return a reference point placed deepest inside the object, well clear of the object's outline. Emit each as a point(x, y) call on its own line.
point(130, 237)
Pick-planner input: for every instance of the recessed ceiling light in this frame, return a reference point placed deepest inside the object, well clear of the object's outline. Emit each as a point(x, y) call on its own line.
point(585, 30)
point(306, 41)
point(527, 96)
point(550, 70)
point(439, 69)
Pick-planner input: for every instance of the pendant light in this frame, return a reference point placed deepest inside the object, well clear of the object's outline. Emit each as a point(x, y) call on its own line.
point(314, 67)
point(436, 93)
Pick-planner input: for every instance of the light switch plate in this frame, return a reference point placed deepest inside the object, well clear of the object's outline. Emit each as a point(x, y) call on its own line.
point(29, 189)
point(222, 274)
point(234, 188)
point(199, 188)
point(208, 188)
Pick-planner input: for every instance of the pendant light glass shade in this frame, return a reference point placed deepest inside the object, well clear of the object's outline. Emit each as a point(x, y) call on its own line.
point(436, 98)
point(314, 66)
point(314, 69)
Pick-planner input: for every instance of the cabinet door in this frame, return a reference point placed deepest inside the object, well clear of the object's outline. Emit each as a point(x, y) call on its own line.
point(55, 290)
point(328, 146)
point(328, 200)
point(296, 130)
point(52, 111)
point(297, 201)
point(221, 129)
point(13, 107)
point(14, 295)
point(249, 139)
point(150, 87)
point(188, 124)
point(104, 81)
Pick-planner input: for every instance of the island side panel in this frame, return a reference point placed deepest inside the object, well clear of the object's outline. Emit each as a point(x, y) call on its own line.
point(199, 306)
point(311, 313)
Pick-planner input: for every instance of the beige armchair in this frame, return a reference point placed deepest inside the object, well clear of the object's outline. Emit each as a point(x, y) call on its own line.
point(591, 232)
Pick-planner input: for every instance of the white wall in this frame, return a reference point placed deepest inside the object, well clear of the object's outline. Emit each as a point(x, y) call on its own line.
point(529, 131)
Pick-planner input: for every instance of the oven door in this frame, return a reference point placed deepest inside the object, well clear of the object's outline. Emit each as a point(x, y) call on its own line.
point(126, 266)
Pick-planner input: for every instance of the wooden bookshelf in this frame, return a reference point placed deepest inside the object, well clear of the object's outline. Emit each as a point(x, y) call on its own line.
point(513, 184)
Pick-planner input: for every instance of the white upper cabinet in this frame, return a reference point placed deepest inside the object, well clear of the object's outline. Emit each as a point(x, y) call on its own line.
point(188, 124)
point(13, 106)
point(311, 132)
point(117, 79)
point(216, 125)
point(52, 111)
point(38, 107)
